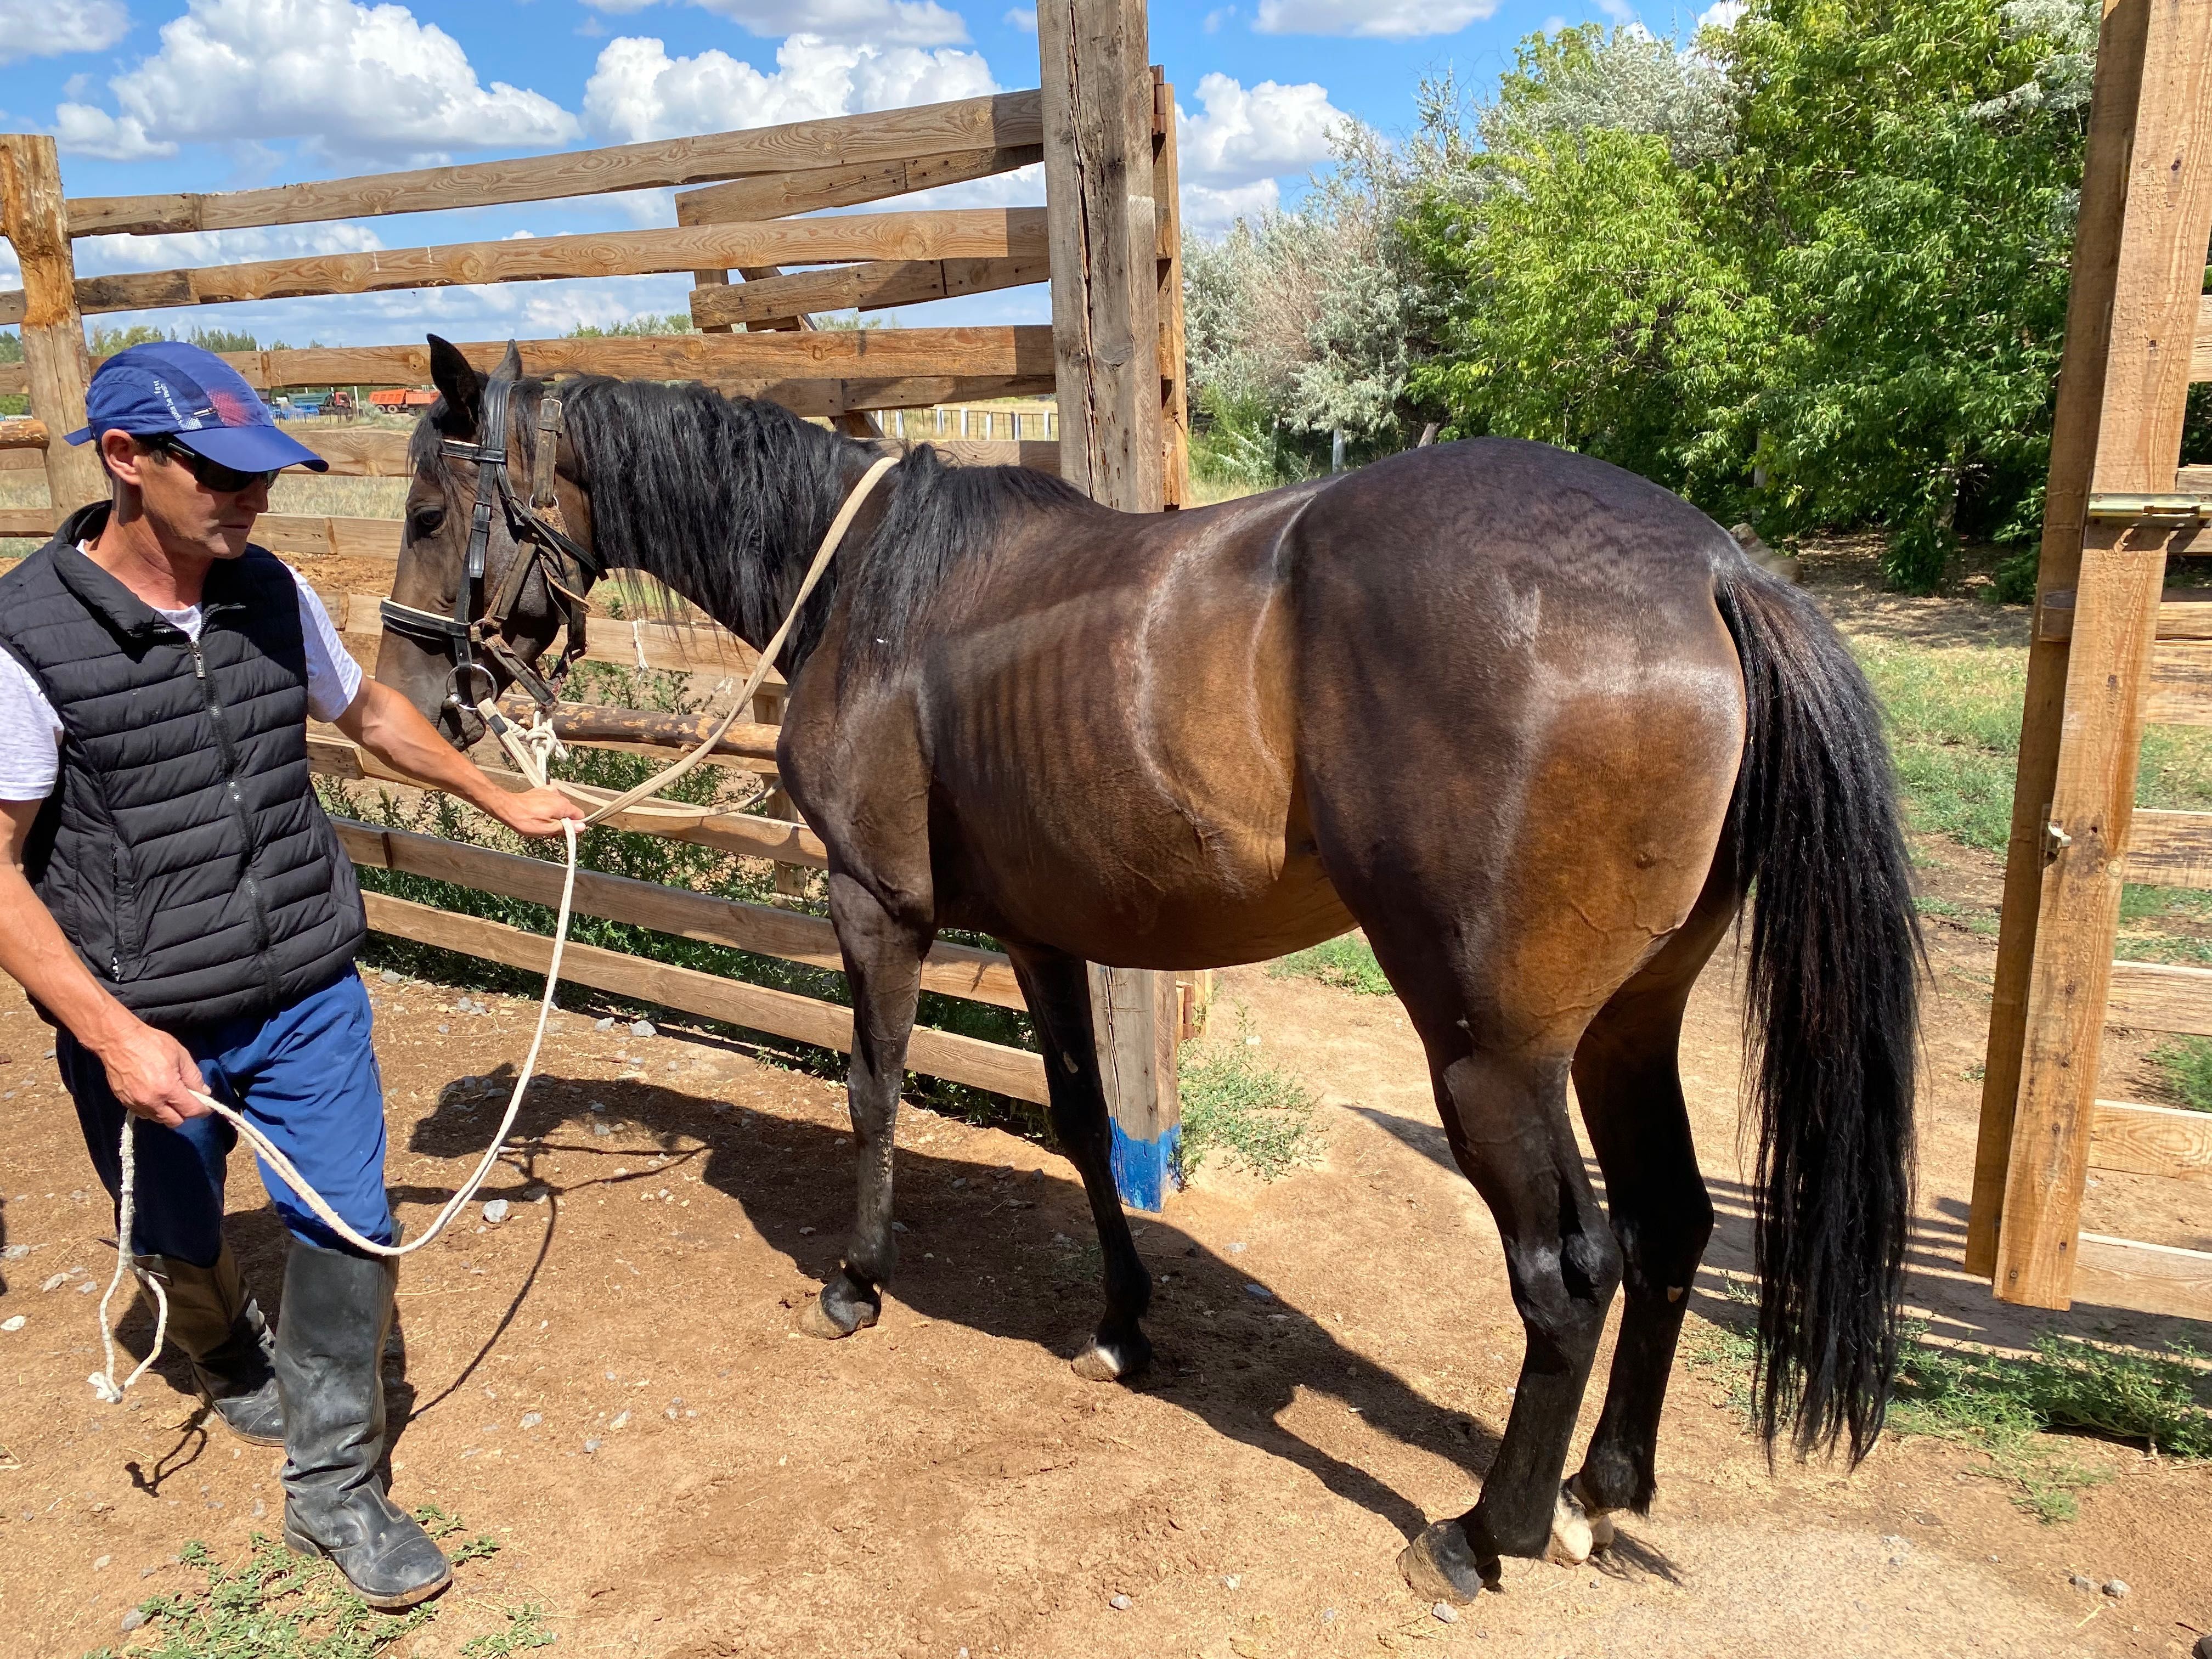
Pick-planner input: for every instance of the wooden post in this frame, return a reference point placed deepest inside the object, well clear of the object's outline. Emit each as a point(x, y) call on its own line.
point(1175, 390)
point(2147, 215)
point(1099, 168)
point(56, 363)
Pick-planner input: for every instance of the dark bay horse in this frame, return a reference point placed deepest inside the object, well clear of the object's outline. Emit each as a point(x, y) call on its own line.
point(1533, 724)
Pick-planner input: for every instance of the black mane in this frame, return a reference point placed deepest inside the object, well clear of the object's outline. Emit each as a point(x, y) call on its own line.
point(726, 500)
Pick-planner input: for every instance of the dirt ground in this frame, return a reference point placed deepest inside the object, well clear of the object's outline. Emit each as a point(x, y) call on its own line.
point(612, 1384)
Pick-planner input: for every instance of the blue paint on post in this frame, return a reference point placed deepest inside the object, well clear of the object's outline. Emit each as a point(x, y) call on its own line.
point(1144, 1170)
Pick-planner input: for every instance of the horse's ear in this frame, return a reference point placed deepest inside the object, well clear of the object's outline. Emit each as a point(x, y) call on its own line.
point(510, 366)
point(462, 387)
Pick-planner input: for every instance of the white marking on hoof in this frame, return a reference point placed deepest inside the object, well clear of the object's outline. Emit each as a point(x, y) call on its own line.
point(1602, 1533)
point(1572, 1538)
point(1098, 1364)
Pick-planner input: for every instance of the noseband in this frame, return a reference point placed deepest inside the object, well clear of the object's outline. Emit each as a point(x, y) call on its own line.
point(540, 544)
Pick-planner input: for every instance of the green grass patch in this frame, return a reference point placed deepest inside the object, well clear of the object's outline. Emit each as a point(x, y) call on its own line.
point(276, 1605)
point(1238, 1106)
point(525, 1628)
point(2007, 1407)
point(1346, 962)
point(2185, 1068)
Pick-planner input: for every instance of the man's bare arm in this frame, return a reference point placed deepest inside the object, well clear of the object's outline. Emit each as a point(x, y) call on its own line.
point(392, 729)
point(151, 1073)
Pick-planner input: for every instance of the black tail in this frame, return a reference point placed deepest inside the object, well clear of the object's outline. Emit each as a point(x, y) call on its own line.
point(1834, 984)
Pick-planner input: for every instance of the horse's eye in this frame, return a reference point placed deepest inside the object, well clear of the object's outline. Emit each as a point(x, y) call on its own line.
point(427, 520)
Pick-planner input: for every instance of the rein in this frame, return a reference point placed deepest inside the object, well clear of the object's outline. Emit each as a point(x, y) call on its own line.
point(532, 748)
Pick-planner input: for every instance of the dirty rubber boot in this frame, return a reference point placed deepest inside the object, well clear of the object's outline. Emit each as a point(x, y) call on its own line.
point(338, 1312)
point(217, 1324)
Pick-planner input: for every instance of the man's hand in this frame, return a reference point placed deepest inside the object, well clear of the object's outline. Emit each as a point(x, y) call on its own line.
point(533, 811)
point(152, 1074)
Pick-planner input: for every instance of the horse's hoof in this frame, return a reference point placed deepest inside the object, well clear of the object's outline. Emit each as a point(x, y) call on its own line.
point(1573, 1538)
point(1602, 1534)
point(832, 1317)
point(1441, 1566)
point(1107, 1361)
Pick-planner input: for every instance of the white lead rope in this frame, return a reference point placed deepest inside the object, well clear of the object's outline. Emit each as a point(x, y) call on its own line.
point(532, 751)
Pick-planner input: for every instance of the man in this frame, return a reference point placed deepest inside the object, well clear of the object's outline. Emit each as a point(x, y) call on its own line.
point(174, 900)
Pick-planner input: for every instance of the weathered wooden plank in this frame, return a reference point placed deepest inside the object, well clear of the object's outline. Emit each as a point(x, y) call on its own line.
point(39, 521)
point(2170, 849)
point(774, 196)
point(2151, 1279)
point(2184, 613)
point(1038, 454)
point(939, 1054)
point(958, 234)
point(2142, 387)
point(22, 432)
point(2158, 1140)
point(2161, 996)
point(304, 533)
point(55, 369)
point(2180, 689)
point(784, 842)
point(365, 452)
point(956, 970)
point(875, 286)
point(1001, 121)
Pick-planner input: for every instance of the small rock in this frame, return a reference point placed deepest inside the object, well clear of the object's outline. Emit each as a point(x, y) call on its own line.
point(13, 1322)
point(607, 1024)
point(900, 1227)
point(1445, 1613)
point(642, 1027)
point(443, 1029)
point(87, 1287)
point(1237, 1248)
point(15, 1252)
point(391, 977)
point(1260, 1290)
point(57, 1280)
point(133, 1619)
point(1061, 1238)
point(675, 1065)
point(2116, 1588)
point(592, 1445)
point(260, 1508)
point(1231, 1581)
point(621, 1418)
point(602, 1129)
point(496, 1210)
point(1120, 1603)
point(806, 1232)
point(100, 1566)
point(2082, 1581)
point(532, 1420)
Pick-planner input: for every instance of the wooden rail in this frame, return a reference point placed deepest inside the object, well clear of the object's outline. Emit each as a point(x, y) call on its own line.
point(1002, 121)
point(969, 233)
point(774, 196)
point(875, 286)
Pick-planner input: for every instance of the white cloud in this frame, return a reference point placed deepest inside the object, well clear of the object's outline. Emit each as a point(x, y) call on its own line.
point(1387, 19)
point(878, 23)
point(1217, 17)
point(37, 29)
point(1020, 17)
point(87, 130)
point(1247, 135)
point(1620, 11)
point(637, 91)
point(351, 79)
point(99, 255)
point(1722, 15)
point(1207, 211)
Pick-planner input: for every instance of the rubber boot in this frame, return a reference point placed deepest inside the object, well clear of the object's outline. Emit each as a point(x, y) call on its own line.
point(337, 1312)
point(217, 1325)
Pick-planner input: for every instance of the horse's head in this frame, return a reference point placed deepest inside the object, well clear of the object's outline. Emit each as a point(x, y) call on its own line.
point(495, 556)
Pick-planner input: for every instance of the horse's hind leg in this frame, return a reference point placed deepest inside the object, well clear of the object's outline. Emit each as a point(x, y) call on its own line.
point(1058, 989)
point(1628, 1082)
point(1505, 1113)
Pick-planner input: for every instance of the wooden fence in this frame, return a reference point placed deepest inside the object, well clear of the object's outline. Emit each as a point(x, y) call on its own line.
point(2110, 651)
point(1107, 242)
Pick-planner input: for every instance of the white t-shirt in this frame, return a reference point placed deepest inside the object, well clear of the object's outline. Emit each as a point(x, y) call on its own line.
point(31, 733)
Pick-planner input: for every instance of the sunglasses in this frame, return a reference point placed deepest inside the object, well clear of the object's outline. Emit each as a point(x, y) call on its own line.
point(214, 474)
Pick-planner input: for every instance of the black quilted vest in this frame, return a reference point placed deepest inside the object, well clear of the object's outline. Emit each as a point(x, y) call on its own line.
point(182, 851)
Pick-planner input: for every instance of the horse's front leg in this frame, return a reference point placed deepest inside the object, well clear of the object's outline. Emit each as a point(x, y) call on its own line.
point(884, 950)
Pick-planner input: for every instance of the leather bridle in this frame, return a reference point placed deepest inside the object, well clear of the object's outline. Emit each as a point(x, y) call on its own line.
point(540, 544)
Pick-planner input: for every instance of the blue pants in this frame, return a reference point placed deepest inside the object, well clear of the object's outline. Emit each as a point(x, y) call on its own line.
point(306, 1077)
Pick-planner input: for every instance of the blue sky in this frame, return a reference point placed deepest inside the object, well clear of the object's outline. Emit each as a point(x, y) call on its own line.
point(212, 95)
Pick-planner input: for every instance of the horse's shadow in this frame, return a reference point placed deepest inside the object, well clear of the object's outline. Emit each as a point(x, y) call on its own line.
point(1016, 1259)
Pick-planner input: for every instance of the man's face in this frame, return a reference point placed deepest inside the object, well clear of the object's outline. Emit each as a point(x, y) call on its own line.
point(189, 517)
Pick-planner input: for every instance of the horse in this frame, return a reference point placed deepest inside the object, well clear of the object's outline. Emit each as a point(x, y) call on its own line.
point(1532, 723)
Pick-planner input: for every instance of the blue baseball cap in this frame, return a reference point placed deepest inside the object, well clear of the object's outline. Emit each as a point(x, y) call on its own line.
point(170, 388)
